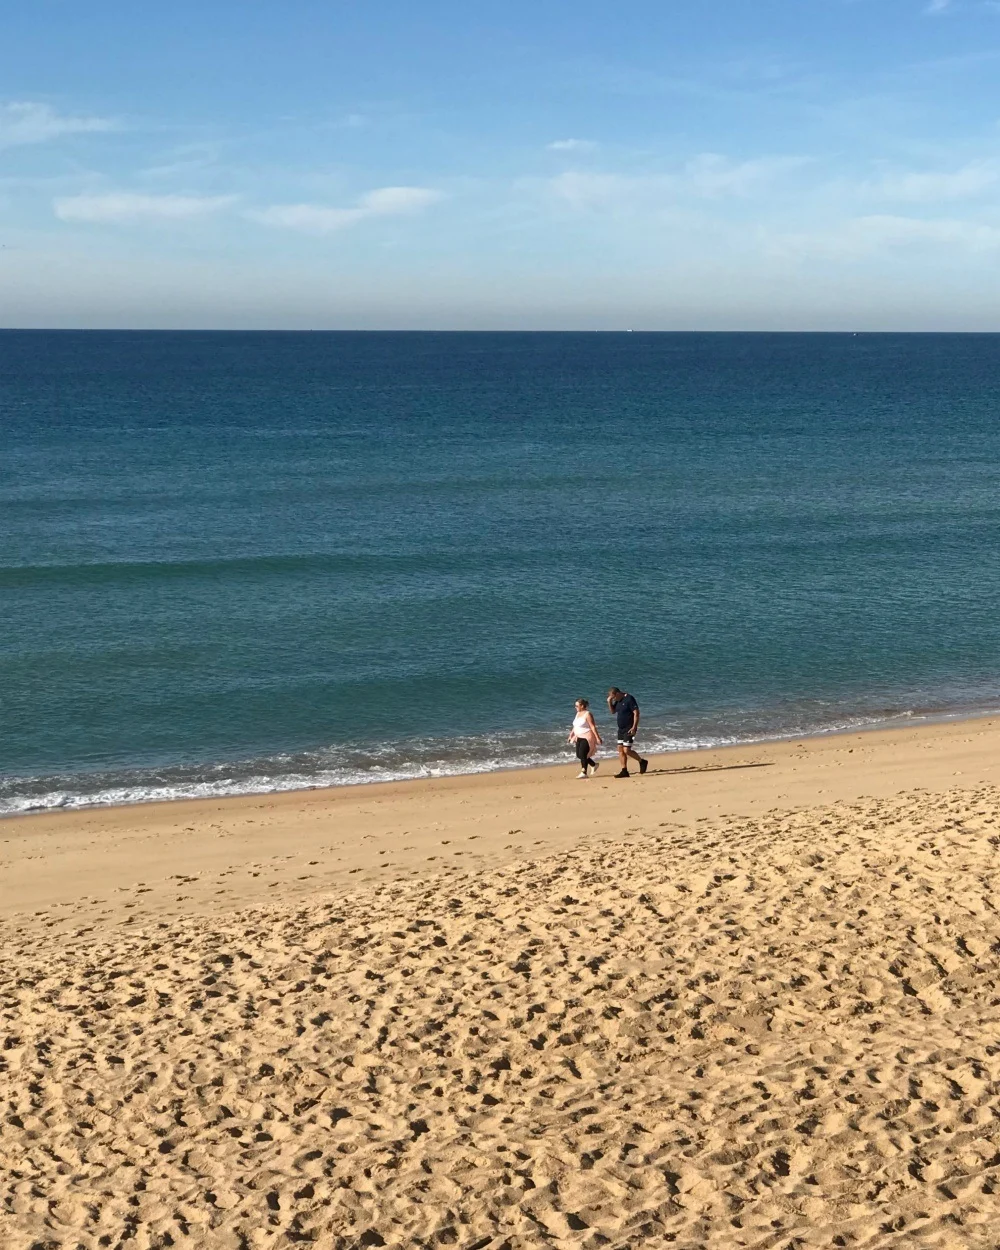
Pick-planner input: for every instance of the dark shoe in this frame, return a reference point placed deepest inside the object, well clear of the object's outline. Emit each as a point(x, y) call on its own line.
point(643, 765)
point(624, 773)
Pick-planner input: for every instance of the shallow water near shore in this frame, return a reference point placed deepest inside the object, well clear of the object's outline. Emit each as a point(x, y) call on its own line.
point(238, 562)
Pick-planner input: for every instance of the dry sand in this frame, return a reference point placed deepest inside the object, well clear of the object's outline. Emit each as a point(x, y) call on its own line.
point(748, 1001)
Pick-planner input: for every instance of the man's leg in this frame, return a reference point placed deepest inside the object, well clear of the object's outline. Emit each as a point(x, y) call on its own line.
point(643, 764)
point(623, 759)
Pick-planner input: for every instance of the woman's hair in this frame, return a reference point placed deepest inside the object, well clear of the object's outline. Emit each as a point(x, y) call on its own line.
point(584, 703)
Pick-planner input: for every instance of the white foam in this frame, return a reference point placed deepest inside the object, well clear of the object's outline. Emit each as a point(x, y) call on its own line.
point(313, 770)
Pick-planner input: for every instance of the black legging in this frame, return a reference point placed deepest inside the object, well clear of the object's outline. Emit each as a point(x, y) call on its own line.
point(583, 753)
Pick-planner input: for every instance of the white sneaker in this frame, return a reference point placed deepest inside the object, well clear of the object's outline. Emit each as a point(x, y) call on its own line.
point(596, 765)
point(582, 773)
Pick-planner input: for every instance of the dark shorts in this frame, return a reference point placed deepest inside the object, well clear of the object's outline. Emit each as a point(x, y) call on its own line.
point(626, 740)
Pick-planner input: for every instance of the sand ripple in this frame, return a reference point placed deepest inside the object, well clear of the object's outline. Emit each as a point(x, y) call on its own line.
point(781, 1032)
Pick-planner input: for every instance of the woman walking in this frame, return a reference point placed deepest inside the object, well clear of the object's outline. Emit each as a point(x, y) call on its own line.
point(584, 734)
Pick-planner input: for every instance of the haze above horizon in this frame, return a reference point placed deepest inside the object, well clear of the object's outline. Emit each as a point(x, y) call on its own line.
point(795, 164)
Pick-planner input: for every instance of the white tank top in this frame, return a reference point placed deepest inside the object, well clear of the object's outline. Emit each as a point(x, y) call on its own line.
point(580, 726)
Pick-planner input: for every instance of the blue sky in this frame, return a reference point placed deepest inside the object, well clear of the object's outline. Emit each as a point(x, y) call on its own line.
point(674, 164)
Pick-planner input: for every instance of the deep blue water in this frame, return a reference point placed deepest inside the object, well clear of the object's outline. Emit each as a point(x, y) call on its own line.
point(248, 560)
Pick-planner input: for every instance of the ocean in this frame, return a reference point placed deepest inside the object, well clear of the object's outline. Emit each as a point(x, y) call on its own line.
point(245, 562)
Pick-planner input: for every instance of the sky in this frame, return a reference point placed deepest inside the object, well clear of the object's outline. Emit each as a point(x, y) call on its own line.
point(472, 164)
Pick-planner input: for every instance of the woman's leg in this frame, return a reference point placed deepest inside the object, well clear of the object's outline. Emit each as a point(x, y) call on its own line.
point(583, 752)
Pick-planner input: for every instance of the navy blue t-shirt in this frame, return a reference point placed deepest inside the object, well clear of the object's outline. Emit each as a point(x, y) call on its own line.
point(625, 710)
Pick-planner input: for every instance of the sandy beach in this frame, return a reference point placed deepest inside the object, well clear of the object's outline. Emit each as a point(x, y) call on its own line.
point(748, 1000)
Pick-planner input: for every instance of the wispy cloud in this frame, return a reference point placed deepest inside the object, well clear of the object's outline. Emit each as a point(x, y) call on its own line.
point(927, 186)
point(708, 176)
point(120, 207)
point(861, 237)
point(25, 121)
point(572, 145)
point(322, 219)
point(711, 175)
point(182, 161)
point(934, 8)
point(581, 189)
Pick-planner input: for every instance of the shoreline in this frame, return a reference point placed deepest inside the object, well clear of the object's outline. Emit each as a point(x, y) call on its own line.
point(900, 721)
point(116, 864)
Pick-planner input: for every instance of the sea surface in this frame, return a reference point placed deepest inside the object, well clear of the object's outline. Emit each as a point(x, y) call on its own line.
point(237, 562)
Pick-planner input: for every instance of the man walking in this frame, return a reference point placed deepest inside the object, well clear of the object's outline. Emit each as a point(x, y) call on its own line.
point(626, 711)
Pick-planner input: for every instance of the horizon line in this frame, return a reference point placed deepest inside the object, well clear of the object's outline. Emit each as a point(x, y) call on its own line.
point(111, 329)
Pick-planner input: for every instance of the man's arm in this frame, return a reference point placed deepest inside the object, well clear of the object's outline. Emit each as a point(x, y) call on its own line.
point(635, 721)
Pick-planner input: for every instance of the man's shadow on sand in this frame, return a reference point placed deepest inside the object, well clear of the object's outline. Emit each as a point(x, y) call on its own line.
point(707, 768)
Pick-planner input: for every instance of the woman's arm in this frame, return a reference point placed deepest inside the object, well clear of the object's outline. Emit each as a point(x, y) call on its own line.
point(592, 724)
